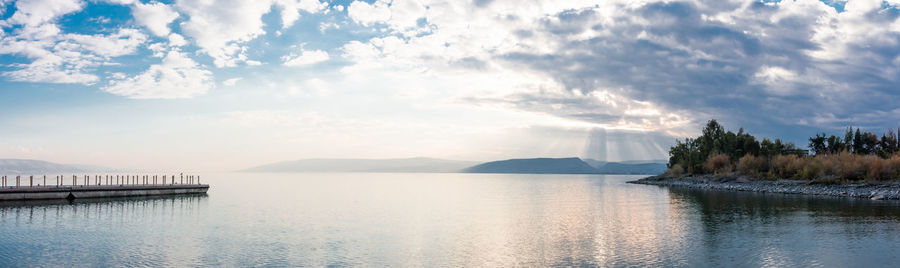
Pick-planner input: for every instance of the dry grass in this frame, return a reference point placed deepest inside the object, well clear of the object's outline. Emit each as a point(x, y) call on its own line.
point(752, 165)
point(718, 164)
point(834, 167)
point(674, 171)
point(788, 166)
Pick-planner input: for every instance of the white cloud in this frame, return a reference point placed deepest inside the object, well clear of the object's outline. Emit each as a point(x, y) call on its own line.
point(307, 57)
point(51, 69)
point(290, 10)
point(177, 76)
point(155, 16)
point(37, 12)
point(324, 26)
point(124, 41)
point(231, 81)
point(176, 40)
point(368, 14)
point(220, 28)
point(65, 58)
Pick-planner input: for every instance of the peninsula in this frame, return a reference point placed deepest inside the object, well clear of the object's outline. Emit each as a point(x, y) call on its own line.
point(859, 164)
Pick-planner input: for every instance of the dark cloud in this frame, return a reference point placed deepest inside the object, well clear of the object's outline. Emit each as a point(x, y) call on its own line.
point(770, 67)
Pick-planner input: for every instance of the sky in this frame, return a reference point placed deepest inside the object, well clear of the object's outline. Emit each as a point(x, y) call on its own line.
point(223, 85)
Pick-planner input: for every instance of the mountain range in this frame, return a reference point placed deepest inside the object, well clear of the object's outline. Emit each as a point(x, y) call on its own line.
point(28, 166)
point(571, 165)
point(418, 164)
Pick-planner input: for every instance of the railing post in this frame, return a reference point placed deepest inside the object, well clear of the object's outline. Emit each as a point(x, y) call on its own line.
point(45, 180)
point(31, 181)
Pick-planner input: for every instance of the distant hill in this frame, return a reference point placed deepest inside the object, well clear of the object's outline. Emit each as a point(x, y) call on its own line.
point(594, 163)
point(418, 164)
point(27, 166)
point(571, 165)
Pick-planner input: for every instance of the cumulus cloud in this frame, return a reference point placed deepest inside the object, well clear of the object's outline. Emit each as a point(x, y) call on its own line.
point(56, 57)
point(155, 16)
point(666, 65)
point(307, 57)
point(222, 28)
point(290, 10)
point(177, 76)
point(368, 14)
point(37, 12)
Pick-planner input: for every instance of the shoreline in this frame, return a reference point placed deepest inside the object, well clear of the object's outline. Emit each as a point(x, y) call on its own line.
point(881, 191)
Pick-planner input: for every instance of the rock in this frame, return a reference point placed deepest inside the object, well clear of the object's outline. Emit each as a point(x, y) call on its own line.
point(877, 197)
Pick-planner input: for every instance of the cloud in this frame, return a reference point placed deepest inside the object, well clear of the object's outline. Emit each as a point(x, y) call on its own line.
point(290, 10)
point(307, 57)
point(37, 12)
point(65, 58)
point(222, 28)
point(155, 16)
point(177, 76)
point(667, 65)
point(231, 81)
point(368, 14)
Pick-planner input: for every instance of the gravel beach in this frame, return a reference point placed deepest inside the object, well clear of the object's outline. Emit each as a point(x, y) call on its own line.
point(889, 190)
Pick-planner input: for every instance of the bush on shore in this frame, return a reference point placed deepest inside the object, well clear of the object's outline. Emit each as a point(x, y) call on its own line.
point(718, 164)
point(857, 157)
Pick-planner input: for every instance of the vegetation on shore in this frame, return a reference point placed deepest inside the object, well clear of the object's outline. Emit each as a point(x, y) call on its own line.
point(854, 157)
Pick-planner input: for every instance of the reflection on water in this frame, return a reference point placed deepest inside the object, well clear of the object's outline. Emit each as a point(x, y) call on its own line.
point(758, 229)
point(449, 220)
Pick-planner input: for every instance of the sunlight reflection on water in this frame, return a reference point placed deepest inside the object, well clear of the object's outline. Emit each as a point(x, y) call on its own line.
point(353, 219)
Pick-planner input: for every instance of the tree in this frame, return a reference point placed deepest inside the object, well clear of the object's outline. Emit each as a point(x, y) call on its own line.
point(848, 139)
point(817, 143)
point(834, 145)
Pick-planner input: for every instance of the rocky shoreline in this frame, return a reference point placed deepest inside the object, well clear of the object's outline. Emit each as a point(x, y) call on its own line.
point(889, 190)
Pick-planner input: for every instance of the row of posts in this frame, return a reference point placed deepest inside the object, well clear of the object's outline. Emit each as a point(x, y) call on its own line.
point(106, 180)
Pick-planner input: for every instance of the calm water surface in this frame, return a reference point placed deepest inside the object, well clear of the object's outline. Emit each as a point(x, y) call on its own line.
point(480, 220)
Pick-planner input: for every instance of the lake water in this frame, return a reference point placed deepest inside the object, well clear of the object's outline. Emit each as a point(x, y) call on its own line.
point(450, 220)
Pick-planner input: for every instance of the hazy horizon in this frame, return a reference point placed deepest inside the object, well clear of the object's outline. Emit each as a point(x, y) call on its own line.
point(198, 85)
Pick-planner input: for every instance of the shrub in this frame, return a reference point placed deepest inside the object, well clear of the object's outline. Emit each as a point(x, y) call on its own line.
point(812, 170)
point(787, 166)
point(852, 167)
point(750, 165)
point(894, 163)
point(675, 170)
point(718, 164)
point(884, 169)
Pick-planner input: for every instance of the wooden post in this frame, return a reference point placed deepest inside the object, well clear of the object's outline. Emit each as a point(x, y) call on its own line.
point(31, 181)
point(45, 180)
point(17, 181)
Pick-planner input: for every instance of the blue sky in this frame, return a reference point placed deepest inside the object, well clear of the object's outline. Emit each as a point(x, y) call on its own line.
point(219, 85)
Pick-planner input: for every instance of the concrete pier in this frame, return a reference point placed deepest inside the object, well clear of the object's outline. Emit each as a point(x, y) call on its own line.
point(97, 191)
point(125, 185)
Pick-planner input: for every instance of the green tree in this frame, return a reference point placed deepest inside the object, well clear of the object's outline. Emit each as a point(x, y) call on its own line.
point(817, 143)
